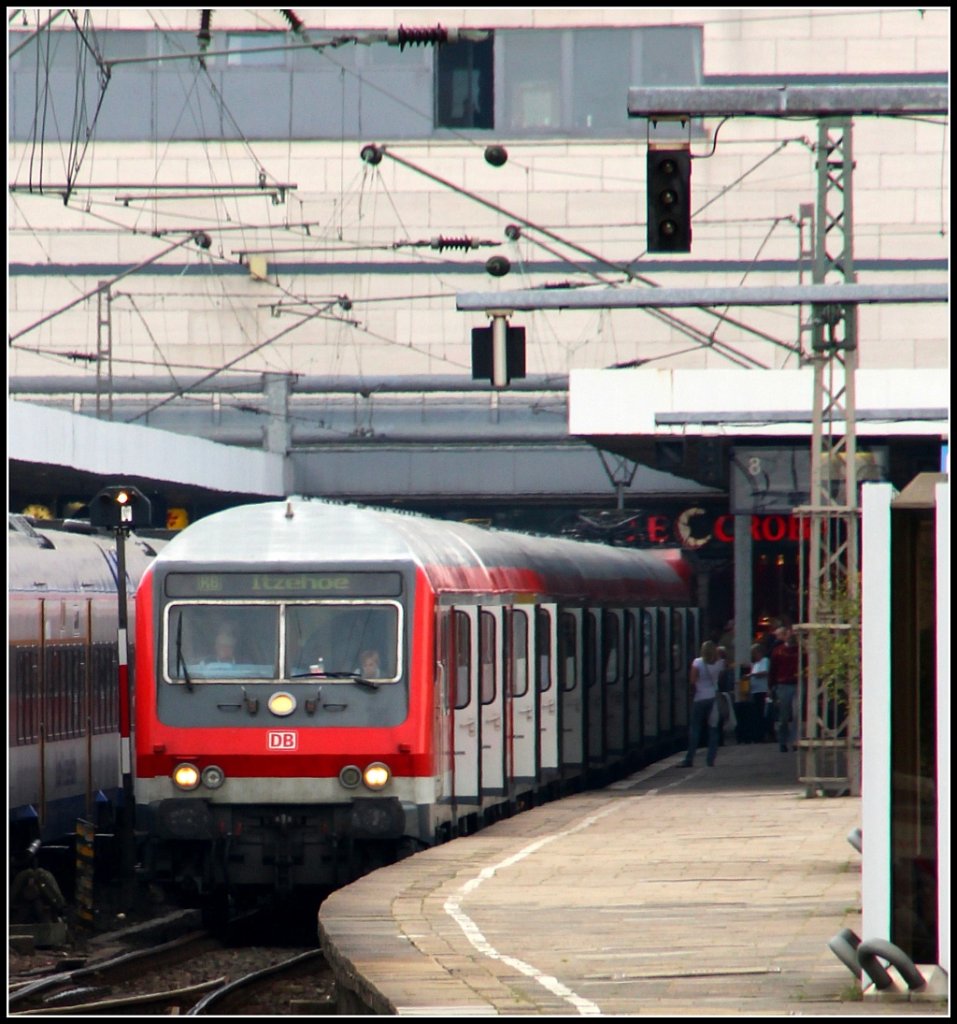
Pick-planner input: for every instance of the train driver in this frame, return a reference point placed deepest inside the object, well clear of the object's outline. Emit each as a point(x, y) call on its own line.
point(224, 645)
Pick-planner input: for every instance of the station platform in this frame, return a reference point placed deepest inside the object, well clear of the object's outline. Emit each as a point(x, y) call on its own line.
point(674, 892)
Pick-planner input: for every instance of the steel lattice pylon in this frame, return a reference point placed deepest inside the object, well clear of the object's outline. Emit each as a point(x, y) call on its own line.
point(829, 635)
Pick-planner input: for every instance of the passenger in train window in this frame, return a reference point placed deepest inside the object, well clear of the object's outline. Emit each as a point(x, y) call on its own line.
point(704, 683)
point(370, 666)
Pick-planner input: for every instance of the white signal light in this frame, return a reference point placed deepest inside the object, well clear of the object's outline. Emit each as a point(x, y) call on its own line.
point(186, 776)
point(376, 775)
point(281, 704)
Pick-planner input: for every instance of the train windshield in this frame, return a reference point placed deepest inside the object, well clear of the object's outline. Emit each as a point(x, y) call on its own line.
point(339, 641)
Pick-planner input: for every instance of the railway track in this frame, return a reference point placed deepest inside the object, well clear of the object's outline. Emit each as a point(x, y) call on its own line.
point(194, 975)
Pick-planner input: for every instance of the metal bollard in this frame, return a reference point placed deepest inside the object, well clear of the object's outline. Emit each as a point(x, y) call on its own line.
point(867, 956)
point(844, 946)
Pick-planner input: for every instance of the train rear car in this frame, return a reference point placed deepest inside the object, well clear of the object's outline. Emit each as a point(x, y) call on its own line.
point(63, 694)
point(322, 687)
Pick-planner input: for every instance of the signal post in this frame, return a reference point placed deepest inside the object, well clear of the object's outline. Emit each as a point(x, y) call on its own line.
point(121, 509)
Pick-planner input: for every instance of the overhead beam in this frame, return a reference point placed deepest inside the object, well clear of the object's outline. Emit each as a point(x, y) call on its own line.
point(787, 100)
point(657, 298)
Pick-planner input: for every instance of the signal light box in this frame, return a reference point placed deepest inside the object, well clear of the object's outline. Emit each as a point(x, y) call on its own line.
point(669, 200)
point(483, 356)
point(120, 508)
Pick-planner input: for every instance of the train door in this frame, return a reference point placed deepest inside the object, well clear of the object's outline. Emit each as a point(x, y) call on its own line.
point(570, 685)
point(633, 677)
point(522, 697)
point(613, 671)
point(593, 679)
point(545, 646)
point(443, 707)
point(467, 726)
point(491, 692)
point(649, 682)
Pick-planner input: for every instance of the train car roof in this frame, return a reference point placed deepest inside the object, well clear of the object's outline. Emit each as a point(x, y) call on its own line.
point(298, 533)
point(54, 557)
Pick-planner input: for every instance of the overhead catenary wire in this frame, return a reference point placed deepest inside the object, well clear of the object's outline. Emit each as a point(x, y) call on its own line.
point(369, 152)
point(226, 226)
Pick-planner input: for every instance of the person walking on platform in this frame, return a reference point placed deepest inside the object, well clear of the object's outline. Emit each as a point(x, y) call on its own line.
point(758, 690)
point(783, 678)
point(705, 672)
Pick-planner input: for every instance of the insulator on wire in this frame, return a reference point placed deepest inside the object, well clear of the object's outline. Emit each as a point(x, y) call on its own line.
point(204, 35)
point(294, 23)
point(403, 36)
point(442, 243)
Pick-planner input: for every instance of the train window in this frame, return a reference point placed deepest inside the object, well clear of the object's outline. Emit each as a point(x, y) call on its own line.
point(677, 633)
point(487, 657)
point(568, 652)
point(234, 641)
point(590, 650)
point(543, 649)
point(661, 641)
point(105, 711)
point(519, 644)
point(462, 679)
point(630, 646)
point(647, 643)
point(348, 638)
point(611, 647)
point(25, 691)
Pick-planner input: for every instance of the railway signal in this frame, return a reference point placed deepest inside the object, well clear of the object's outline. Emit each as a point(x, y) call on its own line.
point(498, 352)
point(121, 509)
point(669, 200)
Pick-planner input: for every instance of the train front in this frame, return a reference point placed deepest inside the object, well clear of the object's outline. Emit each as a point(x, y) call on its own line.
point(275, 744)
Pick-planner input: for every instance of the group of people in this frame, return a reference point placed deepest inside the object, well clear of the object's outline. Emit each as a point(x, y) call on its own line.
point(774, 676)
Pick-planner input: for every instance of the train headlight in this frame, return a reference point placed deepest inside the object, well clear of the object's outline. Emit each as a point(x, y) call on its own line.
point(282, 704)
point(376, 775)
point(186, 776)
point(213, 777)
point(350, 776)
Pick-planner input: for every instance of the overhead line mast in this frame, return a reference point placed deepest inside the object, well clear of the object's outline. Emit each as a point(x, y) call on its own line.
point(830, 716)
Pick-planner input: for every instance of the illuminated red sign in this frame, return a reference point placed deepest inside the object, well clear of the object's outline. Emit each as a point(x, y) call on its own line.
point(692, 528)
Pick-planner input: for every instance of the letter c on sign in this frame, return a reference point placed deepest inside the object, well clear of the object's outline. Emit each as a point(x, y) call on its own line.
point(721, 529)
point(688, 540)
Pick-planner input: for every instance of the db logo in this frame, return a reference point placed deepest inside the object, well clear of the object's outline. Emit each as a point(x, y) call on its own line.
point(282, 740)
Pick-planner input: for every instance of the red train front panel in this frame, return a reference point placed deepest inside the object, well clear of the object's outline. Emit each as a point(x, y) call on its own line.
point(284, 722)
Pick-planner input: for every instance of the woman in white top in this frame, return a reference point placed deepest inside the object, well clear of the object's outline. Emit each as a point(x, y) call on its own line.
point(704, 682)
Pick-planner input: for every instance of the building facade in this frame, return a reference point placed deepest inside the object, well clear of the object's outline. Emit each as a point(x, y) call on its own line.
point(196, 242)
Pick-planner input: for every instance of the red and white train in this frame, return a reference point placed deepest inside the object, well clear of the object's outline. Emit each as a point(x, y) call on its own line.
point(63, 688)
point(322, 687)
